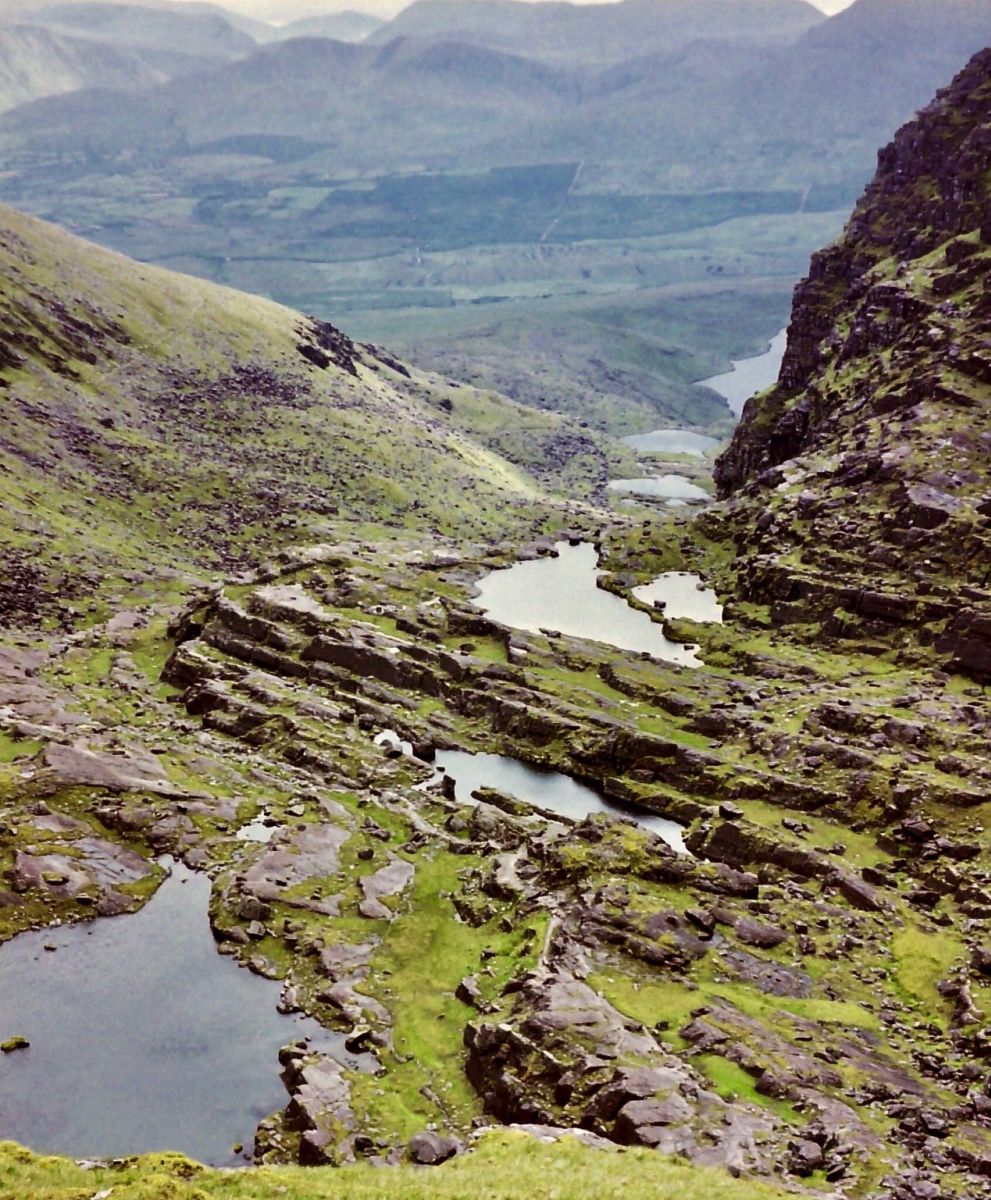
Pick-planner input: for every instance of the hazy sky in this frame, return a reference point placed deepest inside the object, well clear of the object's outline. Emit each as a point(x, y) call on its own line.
point(287, 10)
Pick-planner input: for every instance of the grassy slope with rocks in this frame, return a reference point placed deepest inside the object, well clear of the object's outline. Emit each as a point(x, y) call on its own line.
point(156, 426)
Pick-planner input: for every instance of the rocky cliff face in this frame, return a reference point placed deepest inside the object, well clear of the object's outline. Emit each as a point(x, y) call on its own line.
point(865, 470)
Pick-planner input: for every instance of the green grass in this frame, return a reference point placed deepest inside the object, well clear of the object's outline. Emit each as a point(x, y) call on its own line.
point(150, 649)
point(733, 1083)
point(12, 748)
point(922, 959)
point(861, 848)
point(425, 953)
point(672, 1002)
point(506, 1166)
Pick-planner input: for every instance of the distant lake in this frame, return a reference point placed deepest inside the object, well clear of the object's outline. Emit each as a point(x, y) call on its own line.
point(661, 487)
point(671, 441)
point(749, 375)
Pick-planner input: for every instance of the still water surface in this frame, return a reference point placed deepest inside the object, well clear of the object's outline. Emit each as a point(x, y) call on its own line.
point(671, 441)
point(142, 1036)
point(545, 789)
point(561, 594)
point(683, 595)
point(662, 487)
point(749, 375)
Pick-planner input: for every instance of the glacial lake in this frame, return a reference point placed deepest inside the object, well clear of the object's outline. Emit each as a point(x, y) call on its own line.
point(546, 789)
point(661, 487)
point(142, 1036)
point(560, 593)
point(671, 441)
point(749, 375)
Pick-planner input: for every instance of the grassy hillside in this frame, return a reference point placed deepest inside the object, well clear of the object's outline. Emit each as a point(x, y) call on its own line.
point(157, 425)
point(625, 362)
point(508, 1166)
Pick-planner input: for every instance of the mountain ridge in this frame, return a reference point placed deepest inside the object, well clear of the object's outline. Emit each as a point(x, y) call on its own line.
point(36, 62)
point(882, 394)
point(595, 34)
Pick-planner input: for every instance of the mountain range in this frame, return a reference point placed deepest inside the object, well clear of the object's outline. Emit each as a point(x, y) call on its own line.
point(590, 36)
point(685, 104)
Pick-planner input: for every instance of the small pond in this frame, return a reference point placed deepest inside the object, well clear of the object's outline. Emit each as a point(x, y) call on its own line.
point(142, 1036)
point(261, 829)
point(662, 487)
point(683, 595)
point(671, 441)
point(543, 788)
point(560, 593)
point(749, 375)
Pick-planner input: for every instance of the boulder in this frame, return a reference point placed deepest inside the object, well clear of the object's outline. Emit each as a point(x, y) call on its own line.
point(756, 933)
point(645, 1122)
point(429, 1149)
point(806, 1158)
point(856, 891)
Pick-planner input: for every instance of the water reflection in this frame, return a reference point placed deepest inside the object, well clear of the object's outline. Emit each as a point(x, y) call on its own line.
point(142, 1036)
point(671, 441)
point(683, 595)
point(561, 594)
point(545, 789)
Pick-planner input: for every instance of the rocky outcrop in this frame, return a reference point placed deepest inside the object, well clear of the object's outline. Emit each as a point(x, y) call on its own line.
point(859, 483)
point(930, 191)
point(557, 1053)
point(318, 1118)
